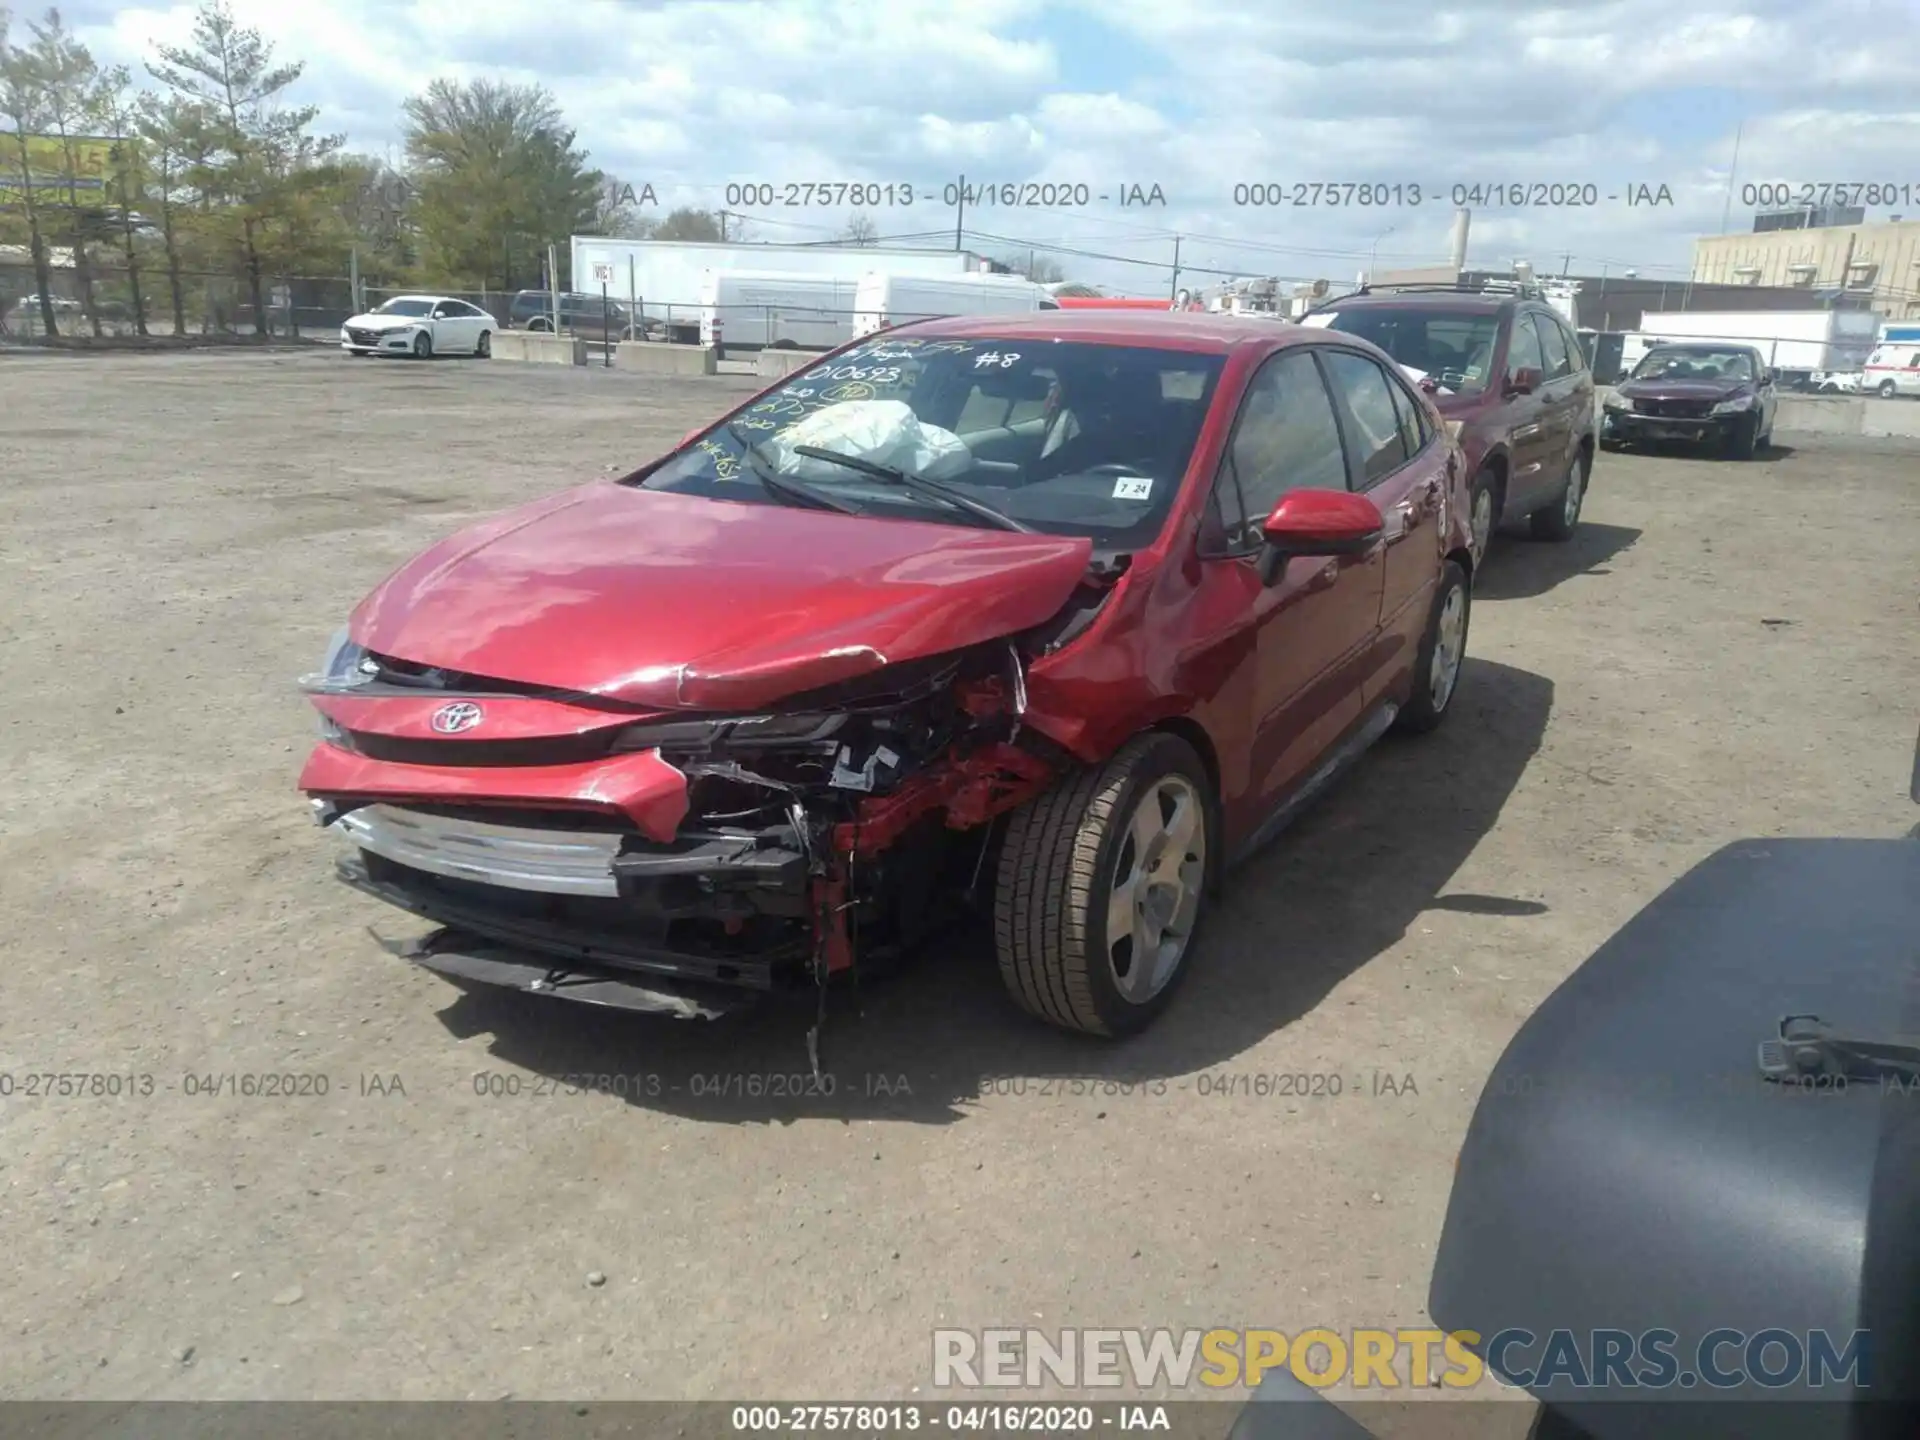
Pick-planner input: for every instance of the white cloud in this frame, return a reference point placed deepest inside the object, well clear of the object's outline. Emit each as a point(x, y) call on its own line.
point(689, 95)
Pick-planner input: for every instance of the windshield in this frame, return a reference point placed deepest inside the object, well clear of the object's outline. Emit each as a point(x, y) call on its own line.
point(1068, 439)
point(406, 307)
point(1701, 364)
point(1455, 348)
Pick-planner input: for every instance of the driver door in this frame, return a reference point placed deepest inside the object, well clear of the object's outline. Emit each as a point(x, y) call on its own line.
point(1312, 630)
point(446, 328)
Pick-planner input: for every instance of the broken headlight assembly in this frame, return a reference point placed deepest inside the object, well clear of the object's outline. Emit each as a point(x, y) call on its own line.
point(344, 668)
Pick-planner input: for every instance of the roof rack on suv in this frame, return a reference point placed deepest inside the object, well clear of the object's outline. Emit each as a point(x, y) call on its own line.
point(1525, 289)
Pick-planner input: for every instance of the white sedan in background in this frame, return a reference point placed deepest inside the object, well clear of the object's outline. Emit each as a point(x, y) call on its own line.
point(421, 326)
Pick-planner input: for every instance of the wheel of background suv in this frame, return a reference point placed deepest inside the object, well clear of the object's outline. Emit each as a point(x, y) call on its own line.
point(423, 346)
point(1443, 650)
point(1101, 884)
point(1483, 511)
point(1887, 389)
point(540, 323)
point(1559, 520)
point(1744, 438)
point(485, 348)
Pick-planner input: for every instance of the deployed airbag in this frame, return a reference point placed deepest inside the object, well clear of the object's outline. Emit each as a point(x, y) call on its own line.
point(886, 432)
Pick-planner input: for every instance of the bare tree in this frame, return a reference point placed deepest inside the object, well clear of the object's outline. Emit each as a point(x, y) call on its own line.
point(860, 231)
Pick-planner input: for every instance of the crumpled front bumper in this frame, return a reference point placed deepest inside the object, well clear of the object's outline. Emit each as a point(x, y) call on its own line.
point(1629, 426)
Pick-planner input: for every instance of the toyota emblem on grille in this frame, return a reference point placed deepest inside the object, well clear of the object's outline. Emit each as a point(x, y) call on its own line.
point(453, 719)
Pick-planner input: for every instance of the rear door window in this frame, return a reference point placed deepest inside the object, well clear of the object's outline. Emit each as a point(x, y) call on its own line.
point(1379, 441)
point(1523, 348)
point(1553, 346)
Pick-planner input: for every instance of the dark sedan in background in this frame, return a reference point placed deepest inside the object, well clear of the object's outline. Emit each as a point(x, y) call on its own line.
point(1707, 393)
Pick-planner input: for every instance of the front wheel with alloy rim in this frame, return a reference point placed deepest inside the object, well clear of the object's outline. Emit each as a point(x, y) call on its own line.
point(1560, 519)
point(1101, 885)
point(1483, 512)
point(1443, 650)
point(423, 346)
point(484, 350)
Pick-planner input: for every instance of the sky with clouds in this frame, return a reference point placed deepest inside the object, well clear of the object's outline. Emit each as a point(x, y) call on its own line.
point(1194, 96)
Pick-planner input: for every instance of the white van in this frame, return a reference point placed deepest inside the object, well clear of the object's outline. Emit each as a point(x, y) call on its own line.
point(775, 309)
point(885, 299)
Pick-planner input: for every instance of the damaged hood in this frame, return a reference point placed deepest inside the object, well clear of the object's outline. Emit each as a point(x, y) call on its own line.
point(1655, 388)
point(676, 601)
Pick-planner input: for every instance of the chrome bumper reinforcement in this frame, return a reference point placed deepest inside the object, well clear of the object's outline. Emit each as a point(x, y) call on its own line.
point(555, 862)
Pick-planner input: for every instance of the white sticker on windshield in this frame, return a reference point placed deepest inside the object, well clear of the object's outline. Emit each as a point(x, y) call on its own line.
point(1133, 487)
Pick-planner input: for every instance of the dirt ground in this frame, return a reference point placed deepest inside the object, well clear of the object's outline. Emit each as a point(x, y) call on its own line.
point(1725, 650)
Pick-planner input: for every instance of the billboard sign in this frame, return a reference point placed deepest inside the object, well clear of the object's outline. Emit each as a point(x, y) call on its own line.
point(47, 166)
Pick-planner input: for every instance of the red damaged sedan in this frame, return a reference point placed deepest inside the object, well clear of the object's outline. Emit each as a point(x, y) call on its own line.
point(1063, 613)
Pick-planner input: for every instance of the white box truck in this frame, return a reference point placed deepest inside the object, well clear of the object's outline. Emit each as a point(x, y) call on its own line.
point(775, 310)
point(660, 279)
point(886, 299)
point(1798, 344)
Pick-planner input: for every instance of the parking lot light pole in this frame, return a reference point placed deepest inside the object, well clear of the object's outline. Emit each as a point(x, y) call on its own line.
point(1374, 257)
point(553, 287)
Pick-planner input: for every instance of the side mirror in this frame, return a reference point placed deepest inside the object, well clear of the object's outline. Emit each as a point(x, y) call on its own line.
point(1524, 381)
point(1309, 523)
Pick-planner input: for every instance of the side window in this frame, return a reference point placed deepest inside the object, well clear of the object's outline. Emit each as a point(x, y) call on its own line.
point(1553, 346)
point(1523, 347)
point(1413, 428)
point(1286, 438)
point(1574, 352)
point(1368, 392)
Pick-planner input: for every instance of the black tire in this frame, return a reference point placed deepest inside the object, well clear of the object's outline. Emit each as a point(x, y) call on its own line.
point(1888, 390)
point(541, 324)
point(1560, 519)
point(1614, 445)
point(1744, 438)
point(1424, 711)
point(484, 350)
point(1055, 879)
point(1486, 486)
point(423, 346)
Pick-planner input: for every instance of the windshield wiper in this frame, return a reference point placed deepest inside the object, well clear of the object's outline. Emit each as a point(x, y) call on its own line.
point(918, 485)
point(779, 485)
point(1808, 1046)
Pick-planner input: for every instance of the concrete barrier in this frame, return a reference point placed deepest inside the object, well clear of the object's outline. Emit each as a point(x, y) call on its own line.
point(1890, 417)
point(654, 357)
point(1807, 415)
point(539, 348)
point(772, 364)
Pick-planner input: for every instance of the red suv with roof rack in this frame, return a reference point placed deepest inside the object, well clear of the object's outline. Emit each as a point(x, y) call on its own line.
point(1508, 374)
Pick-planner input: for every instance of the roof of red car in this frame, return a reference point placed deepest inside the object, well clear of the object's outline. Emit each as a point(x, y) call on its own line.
point(1171, 329)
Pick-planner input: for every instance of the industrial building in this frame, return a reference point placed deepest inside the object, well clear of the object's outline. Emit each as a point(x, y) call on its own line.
point(1832, 252)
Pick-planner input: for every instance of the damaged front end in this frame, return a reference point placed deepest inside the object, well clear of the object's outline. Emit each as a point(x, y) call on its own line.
point(674, 861)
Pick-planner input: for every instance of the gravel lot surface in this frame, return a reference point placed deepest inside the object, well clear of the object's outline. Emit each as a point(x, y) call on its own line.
point(1725, 650)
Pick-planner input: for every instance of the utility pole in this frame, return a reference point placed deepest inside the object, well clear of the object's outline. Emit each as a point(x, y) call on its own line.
point(1566, 260)
point(1175, 293)
point(960, 212)
point(723, 227)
